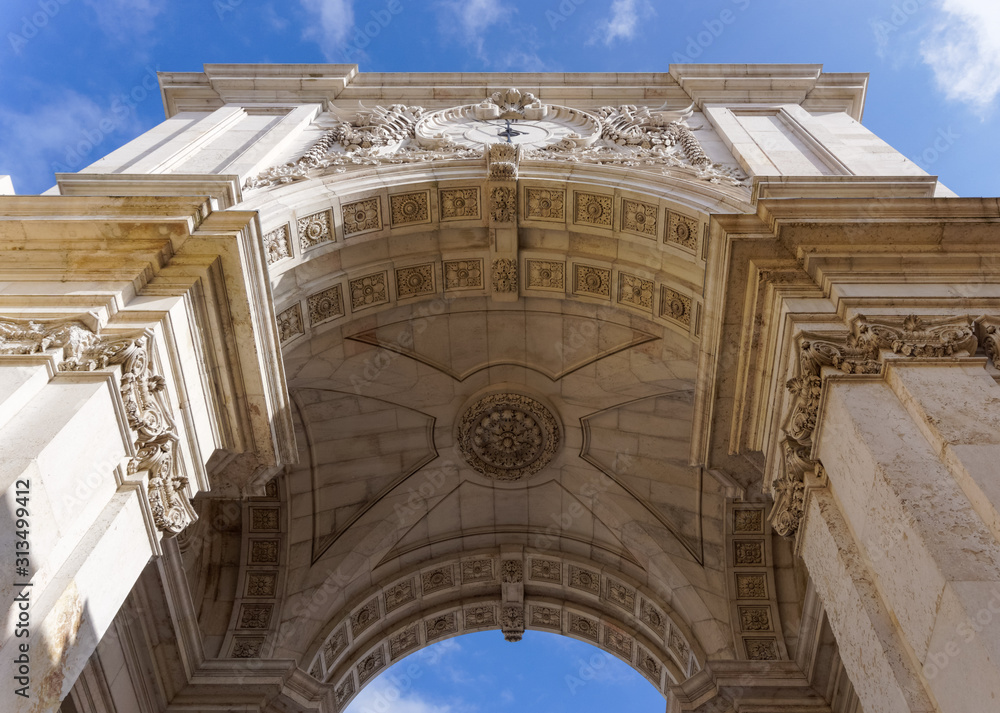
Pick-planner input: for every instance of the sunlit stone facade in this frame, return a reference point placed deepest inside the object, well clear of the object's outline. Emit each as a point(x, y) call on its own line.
point(330, 366)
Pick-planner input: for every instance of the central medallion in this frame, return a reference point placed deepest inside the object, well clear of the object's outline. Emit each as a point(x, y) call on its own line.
point(508, 436)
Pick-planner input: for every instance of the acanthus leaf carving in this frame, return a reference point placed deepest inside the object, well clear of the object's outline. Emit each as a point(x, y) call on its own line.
point(858, 351)
point(143, 393)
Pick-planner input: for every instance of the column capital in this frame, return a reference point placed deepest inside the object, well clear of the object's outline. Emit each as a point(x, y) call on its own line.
point(861, 349)
point(81, 347)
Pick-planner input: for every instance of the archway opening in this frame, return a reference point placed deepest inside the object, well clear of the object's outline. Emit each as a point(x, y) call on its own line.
point(480, 672)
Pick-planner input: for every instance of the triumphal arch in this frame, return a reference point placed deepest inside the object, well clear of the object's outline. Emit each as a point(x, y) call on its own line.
point(330, 366)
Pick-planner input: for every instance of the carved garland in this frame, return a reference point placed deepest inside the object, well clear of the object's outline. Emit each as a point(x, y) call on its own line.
point(143, 394)
point(626, 136)
point(858, 352)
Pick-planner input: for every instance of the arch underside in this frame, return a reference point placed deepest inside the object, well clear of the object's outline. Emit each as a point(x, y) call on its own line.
point(393, 322)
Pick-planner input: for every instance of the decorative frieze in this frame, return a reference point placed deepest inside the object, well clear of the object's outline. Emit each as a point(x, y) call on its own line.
point(276, 245)
point(639, 217)
point(399, 594)
point(748, 552)
point(440, 626)
point(504, 275)
point(369, 291)
point(438, 579)
point(410, 208)
point(264, 551)
point(344, 691)
point(254, 616)
point(403, 642)
point(478, 570)
point(593, 281)
point(546, 618)
point(290, 323)
point(362, 216)
point(748, 521)
point(675, 306)
point(751, 586)
point(364, 617)
point(463, 274)
point(371, 664)
point(315, 230)
point(143, 393)
point(761, 649)
point(480, 617)
point(261, 584)
point(414, 280)
point(652, 617)
point(618, 642)
point(263, 519)
point(681, 230)
point(545, 204)
point(335, 646)
point(649, 665)
point(755, 618)
point(459, 203)
point(635, 291)
point(584, 579)
point(620, 594)
point(326, 305)
point(679, 646)
point(549, 275)
point(546, 570)
point(247, 647)
point(593, 209)
point(583, 626)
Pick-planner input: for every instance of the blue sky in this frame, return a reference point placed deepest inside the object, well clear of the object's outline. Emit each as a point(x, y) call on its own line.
point(75, 73)
point(482, 673)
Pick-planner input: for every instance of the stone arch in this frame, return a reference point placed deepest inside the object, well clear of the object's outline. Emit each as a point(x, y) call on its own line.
point(451, 596)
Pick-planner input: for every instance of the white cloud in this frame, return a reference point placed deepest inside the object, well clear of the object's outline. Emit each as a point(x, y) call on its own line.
point(469, 19)
point(626, 16)
point(333, 21)
point(382, 695)
point(127, 20)
point(62, 133)
point(963, 50)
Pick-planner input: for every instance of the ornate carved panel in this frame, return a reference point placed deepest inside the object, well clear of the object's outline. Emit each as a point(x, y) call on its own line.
point(584, 579)
point(639, 218)
point(363, 216)
point(508, 436)
point(254, 616)
point(335, 645)
point(290, 323)
point(371, 664)
point(369, 291)
point(403, 642)
point(364, 617)
point(593, 281)
point(315, 229)
point(545, 204)
point(751, 586)
point(414, 280)
point(480, 617)
point(546, 570)
point(635, 291)
point(261, 584)
point(549, 275)
point(410, 208)
point(247, 647)
point(618, 642)
point(546, 618)
point(438, 579)
point(276, 245)
point(505, 275)
point(583, 626)
point(477, 570)
point(399, 594)
point(440, 626)
point(463, 274)
point(620, 594)
point(675, 306)
point(264, 551)
point(459, 203)
point(593, 209)
point(682, 231)
point(326, 305)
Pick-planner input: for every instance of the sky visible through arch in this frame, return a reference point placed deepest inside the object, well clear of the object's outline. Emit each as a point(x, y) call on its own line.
point(76, 75)
point(482, 673)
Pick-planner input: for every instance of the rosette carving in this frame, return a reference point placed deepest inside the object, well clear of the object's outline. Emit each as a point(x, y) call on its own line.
point(508, 436)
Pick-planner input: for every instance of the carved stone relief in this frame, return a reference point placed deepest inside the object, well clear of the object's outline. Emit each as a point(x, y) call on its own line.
point(369, 291)
point(508, 436)
point(504, 275)
point(638, 217)
point(512, 622)
point(593, 209)
point(371, 664)
point(512, 571)
point(546, 570)
point(290, 323)
point(545, 204)
point(276, 245)
point(681, 230)
point(594, 281)
point(583, 626)
point(326, 305)
point(403, 642)
point(459, 204)
point(618, 642)
point(675, 306)
point(440, 626)
point(635, 291)
point(315, 230)
point(463, 274)
point(364, 617)
point(415, 280)
point(479, 570)
point(399, 594)
point(410, 208)
point(546, 275)
point(584, 579)
point(362, 216)
point(143, 394)
point(440, 578)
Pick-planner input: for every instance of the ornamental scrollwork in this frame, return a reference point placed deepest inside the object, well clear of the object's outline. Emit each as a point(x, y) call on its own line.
point(858, 351)
point(143, 393)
